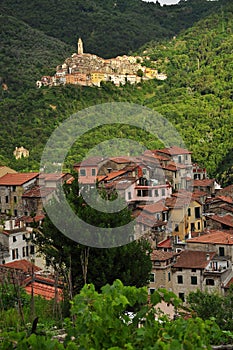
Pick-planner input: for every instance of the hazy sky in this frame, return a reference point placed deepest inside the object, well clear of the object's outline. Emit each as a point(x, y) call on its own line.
point(165, 2)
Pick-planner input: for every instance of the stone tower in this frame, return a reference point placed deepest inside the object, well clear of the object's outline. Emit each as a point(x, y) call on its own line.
point(80, 46)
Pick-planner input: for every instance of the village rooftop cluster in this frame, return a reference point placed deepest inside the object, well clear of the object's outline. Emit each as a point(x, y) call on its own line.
point(90, 70)
point(186, 216)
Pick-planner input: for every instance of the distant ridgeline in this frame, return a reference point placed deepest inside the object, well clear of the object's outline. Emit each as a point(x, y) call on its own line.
point(90, 70)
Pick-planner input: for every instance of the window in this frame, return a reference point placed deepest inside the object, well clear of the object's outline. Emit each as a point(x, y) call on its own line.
point(152, 277)
point(32, 249)
point(198, 225)
point(179, 159)
point(14, 239)
point(93, 172)
point(15, 212)
point(15, 254)
point(180, 268)
point(82, 172)
point(177, 228)
point(209, 282)
point(25, 251)
point(180, 279)
point(221, 251)
point(156, 193)
point(163, 192)
point(6, 199)
point(194, 280)
point(23, 237)
point(152, 290)
point(181, 296)
point(169, 276)
point(189, 211)
point(15, 199)
point(13, 188)
point(129, 196)
point(193, 270)
point(197, 213)
point(150, 193)
point(144, 171)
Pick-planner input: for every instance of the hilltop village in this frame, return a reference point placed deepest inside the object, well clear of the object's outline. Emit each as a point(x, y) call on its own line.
point(186, 216)
point(90, 70)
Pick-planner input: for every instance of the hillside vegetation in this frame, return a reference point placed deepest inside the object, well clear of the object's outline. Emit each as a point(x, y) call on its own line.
point(111, 27)
point(196, 97)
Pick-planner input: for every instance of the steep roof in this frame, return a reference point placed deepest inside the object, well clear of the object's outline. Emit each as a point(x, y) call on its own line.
point(166, 243)
point(194, 259)
point(17, 179)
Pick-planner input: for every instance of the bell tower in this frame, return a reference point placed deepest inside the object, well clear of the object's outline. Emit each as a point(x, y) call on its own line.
point(80, 46)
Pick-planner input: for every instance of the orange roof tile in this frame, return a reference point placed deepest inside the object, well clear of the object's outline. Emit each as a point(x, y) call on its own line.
point(24, 265)
point(226, 220)
point(203, 183)
point(91, 161)
point(161, 255)
point(193, 259)
point(166, 243)
point(154, 207)
point(43, 287)
point(174, 150)
point(214, 237)
point(17, 179)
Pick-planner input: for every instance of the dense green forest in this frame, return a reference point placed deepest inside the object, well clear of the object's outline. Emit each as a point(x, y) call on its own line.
point(196, 97)
point(110, 27)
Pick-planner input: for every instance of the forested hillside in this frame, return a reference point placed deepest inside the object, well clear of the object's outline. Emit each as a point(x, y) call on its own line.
point(111, 27)
point(196, 97)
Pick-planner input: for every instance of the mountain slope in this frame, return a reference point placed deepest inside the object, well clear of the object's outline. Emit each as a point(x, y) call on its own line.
point(111, 27)
point(26, 52)
point(196, 98)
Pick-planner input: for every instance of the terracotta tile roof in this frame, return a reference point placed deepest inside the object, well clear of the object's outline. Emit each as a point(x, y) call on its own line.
point(166, 243)
point(203, 183)
point(161, 255)
point(91, 161)
point(155, 207)
point(193, 259)
point(24, 265)
point(154, 154)
point(17, 179)
point(38, 192)
point(226, 220)
point(177, 202)
point(114, 174)
point(121, 160)
point(43, 287)
point(174, 150)
point(214, 237)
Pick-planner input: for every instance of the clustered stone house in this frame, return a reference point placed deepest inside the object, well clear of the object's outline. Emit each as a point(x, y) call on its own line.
point(184, 214)
point(90, 70)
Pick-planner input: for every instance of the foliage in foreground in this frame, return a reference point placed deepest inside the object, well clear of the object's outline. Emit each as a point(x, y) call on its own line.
point(111, 319)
